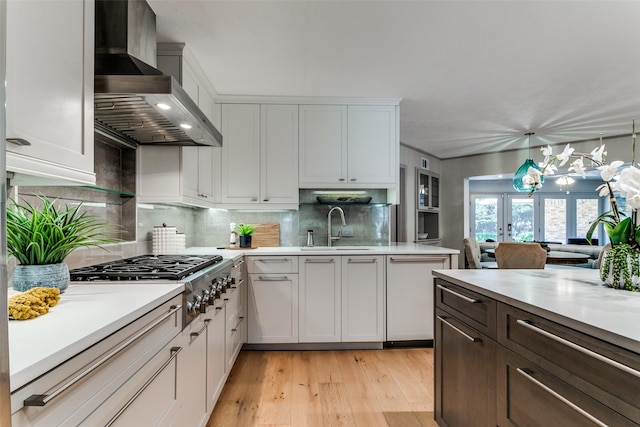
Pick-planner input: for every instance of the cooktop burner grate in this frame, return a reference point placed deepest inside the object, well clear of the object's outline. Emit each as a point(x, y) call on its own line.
point(146, 267)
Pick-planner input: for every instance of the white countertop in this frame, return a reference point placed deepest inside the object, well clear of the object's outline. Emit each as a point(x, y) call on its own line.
point(392, 249)
point(574, 297)
point(85, 314)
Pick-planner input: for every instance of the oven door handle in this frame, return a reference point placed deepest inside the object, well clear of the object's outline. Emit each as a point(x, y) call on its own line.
point(43, 399)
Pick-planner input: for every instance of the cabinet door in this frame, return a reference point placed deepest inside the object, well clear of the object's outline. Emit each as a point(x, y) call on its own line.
point(234, 323)
point(215, 354)
point(272, 308)
point(372, 145)
point(279, 154)
point(192, 378)
point(240, 153)
point(362, 298)
point(410, 296)
point(465, 375)
point(51, 108)
point(320, 298)
point(197, 172)
point(323, 145)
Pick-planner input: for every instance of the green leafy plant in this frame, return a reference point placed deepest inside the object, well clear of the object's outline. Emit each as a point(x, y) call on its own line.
point(47, 234)
point(246, 229)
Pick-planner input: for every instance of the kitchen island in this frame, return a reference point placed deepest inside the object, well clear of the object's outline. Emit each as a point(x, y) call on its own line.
point(535, 347)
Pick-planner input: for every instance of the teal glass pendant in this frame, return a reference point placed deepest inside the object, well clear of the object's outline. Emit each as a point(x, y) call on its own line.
point(521, 172)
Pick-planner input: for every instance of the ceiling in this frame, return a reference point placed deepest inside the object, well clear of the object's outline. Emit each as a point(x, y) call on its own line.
point(473, 76)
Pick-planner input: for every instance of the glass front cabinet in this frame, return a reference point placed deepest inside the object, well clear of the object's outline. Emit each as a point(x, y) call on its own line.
point(428, 206)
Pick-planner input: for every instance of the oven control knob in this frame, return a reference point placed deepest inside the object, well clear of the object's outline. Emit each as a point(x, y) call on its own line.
point(193, 308)
point(221, 285)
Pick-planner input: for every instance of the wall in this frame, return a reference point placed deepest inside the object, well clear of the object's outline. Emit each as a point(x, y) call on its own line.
point(410, 158)
point(455, 173)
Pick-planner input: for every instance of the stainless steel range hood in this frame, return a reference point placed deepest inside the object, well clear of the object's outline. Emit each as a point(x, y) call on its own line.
point(134, 102)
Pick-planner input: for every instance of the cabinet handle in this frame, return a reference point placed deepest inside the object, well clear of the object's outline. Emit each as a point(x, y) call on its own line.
point(240, 262)
point(459, 295)
point(583, 350)
point(319, 261)
point(43, 399)
point(197, 334)
point(340, 179)
point(420, 259)
point(273, 260)
point(272, 278)
point(265, 200)
point(353, 179)
point(254, 199)
point(203, 195)
point(362, 261)
point(526, 373)
point(174, 353)
point(460, 331)
point(18, 141)
point(238, 325)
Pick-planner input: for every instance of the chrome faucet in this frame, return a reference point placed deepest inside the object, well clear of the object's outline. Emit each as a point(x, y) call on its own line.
point(331, 238)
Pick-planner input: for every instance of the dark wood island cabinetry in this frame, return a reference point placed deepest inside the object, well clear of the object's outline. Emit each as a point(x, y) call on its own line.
point(502, 362)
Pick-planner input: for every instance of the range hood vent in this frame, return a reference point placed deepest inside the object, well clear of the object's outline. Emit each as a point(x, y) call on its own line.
point(132, 99)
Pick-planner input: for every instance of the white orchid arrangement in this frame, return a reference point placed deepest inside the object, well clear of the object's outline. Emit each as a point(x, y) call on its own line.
point(623, 182)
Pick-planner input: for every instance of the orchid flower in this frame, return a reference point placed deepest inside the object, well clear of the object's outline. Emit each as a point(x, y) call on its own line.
point(603, 190)
point(608, 172)
point(598, 154)
point(578, 167)
point(565, 155)
point(532, 178)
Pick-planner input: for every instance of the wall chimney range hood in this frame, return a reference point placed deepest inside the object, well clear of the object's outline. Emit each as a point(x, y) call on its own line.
point(134, 103)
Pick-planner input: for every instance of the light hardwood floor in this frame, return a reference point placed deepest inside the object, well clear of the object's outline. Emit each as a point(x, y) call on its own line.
point(367, 388)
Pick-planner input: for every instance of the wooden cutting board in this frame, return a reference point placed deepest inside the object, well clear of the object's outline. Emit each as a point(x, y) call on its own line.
point(266, 235)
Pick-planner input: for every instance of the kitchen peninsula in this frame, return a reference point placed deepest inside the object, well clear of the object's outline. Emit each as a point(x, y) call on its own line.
point(535, 347)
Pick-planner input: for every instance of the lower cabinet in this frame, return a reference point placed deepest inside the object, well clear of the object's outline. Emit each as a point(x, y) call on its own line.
point(410, 295)
point(363, 298)
point(192, 378)
point(465, 376)
point(216, 363)
point(496, 364)
point(320, 298)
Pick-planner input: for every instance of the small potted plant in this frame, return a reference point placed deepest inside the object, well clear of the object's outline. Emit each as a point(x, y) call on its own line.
point(245, 231)
point(41, 237)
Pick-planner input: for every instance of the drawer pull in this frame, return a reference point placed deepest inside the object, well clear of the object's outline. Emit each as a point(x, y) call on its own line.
point(526, 373)
point(579, 348)
point(420, 259)
point(18, 141)
point(273, 260)
point(459, 295)
point(460, 331)
point(319, 261)
point(174, 353)
point(362, 261)
point(272, 279)
point(43, 399)
point(238, 325)
point(197, 334)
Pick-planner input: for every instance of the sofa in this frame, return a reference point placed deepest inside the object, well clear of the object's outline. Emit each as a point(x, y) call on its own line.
point(591, 250)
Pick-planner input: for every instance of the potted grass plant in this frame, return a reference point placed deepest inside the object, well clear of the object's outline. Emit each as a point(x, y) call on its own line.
point(245, 231)
point(40, 236)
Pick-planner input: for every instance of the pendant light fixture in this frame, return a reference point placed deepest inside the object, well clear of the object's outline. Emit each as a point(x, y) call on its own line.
point(524, 169)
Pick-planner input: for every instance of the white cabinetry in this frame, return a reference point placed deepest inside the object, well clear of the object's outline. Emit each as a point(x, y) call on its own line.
point(363, 298)
point(216, 364)
point(354, 147)
point(179, 175)
point(112, 380)
point(272, 300)
point(50, 108)
point(259, 155)
point(410, 295)
point(320, 299)
point(192, 377)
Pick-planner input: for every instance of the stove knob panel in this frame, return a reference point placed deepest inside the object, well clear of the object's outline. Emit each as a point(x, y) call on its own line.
point(193, 308)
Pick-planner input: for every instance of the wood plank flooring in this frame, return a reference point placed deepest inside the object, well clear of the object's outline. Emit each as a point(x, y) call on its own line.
point(367, 388)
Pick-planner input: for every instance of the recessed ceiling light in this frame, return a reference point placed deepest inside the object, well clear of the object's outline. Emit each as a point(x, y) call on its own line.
point(163, 106)
point(185, 125)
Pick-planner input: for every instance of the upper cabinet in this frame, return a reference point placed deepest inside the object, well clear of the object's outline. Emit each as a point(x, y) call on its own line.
point(428, 190)
point(352, 146)
point(259, 156)
point(49, 92)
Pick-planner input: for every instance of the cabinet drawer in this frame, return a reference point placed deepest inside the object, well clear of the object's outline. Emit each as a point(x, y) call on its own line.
point(474, 309)
point(603, 371)
point(531, 396)
point(74, 389)
point(272, 264)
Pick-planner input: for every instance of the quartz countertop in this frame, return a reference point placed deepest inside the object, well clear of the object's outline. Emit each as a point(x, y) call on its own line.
point(85, 314)
point(573, 297)
point(392, 249)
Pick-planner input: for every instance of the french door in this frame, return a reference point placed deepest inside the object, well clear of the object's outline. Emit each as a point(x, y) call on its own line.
point(551, 217)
